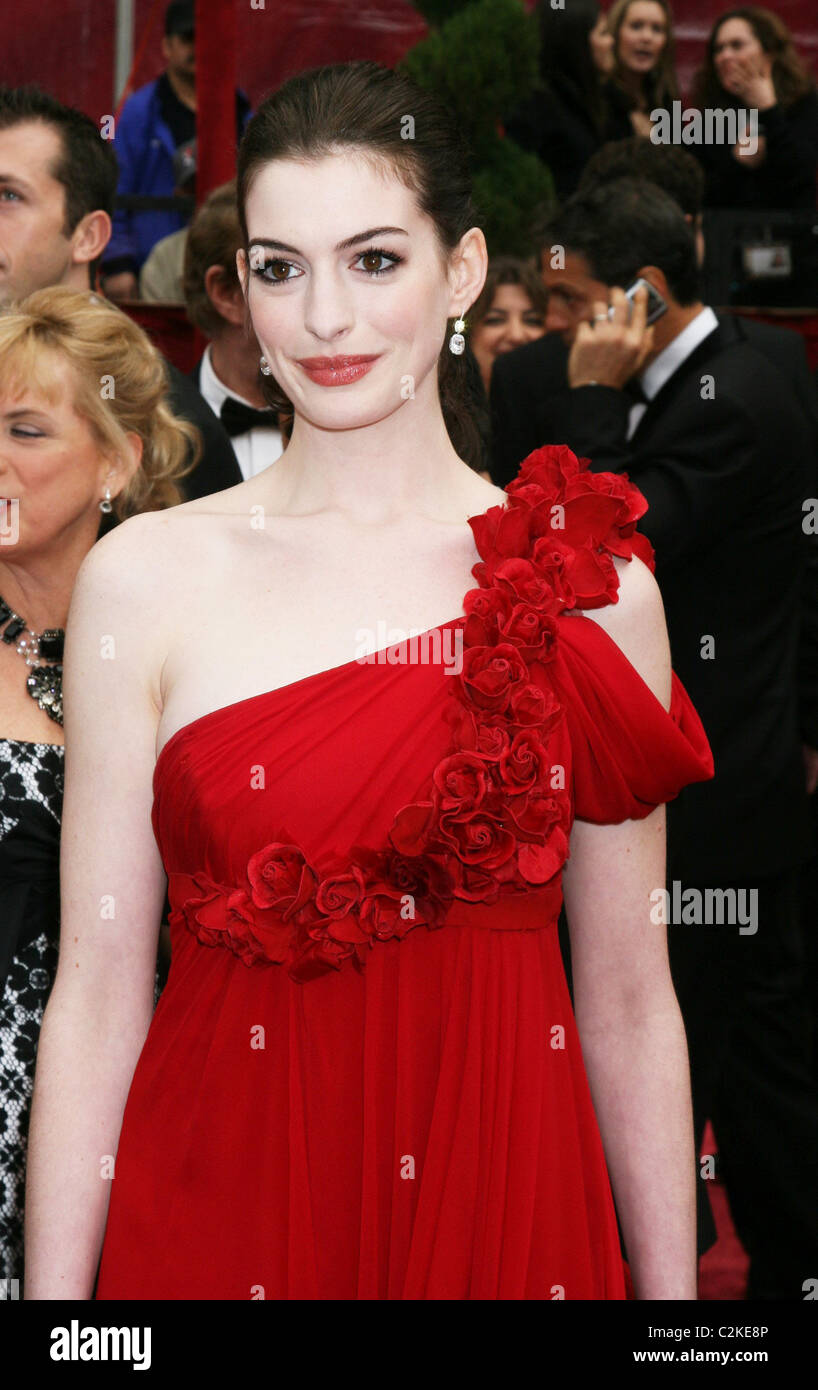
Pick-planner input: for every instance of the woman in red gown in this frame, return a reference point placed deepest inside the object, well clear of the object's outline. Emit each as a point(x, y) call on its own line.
point(364, 1078)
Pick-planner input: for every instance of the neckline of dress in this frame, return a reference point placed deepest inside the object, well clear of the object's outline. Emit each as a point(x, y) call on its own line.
point(367, 661)
point(200, 719)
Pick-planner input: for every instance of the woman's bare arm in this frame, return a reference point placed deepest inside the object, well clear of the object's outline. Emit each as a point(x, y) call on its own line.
point(112, 893)
point(630, 1026)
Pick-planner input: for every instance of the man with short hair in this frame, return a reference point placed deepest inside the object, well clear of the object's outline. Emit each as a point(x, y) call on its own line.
point(155, 132)
point(57, 186)
point(228, 373)
point(711, 432)
point(529, 386)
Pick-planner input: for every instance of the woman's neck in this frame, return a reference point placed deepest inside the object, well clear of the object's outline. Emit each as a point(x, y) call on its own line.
point(404, 463)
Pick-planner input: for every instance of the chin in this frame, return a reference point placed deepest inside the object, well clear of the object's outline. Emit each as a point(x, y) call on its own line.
point(349, 414)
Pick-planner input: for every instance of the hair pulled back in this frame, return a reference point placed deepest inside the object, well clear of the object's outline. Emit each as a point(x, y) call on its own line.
point(383, 114)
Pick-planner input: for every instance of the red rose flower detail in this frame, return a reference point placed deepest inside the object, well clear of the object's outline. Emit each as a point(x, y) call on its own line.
point(481, 840)
point(412, 827)
point(552, 556)
point(340, 894)
point(281, 878)
point(461, 782)
point(476, 732)
point(632, 506)
point(539, 863)
point(385, 912)
point(593, 577)
point(551, 467)
point(526, 584)
point(534, 815)
point(534, 706)
point(532, 632)
point(501, 531)
point(524, 764)
point(483, 609)
point(490, 675)
point(207, 915)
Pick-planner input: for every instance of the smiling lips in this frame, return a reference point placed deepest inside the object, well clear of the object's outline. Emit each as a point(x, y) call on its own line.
point(336, 371)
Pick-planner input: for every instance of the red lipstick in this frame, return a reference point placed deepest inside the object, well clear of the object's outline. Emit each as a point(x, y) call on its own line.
point(337, 371)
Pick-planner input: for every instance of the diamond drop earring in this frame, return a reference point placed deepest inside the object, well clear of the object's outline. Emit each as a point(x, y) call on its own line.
point(105, 504)
point(266, 369)
point(457, 342)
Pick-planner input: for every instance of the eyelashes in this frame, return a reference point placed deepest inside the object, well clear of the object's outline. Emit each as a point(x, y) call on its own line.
point(391, 256)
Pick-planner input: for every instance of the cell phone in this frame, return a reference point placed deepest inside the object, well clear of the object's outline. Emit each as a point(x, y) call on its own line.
point(656, 305)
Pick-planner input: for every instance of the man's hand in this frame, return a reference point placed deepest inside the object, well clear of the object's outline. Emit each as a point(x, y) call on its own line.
point(609, 351)
point(122, 286)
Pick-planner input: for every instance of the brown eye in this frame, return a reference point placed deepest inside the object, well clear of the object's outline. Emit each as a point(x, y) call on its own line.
point(372, 256)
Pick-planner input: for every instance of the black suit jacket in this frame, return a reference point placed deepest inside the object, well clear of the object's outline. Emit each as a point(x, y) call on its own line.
point(725, 480)
point(218, 466)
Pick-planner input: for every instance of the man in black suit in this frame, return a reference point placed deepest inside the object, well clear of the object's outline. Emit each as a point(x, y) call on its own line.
point(227, 375)
point(529, 386)
point(712, 433)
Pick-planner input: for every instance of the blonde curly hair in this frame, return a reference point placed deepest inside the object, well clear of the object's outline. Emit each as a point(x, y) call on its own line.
point(120, 386)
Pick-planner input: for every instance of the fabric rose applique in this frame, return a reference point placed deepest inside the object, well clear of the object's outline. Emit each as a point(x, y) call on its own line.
point(490, 825)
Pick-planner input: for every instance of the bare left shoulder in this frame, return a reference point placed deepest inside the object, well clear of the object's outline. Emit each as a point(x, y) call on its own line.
point(637, 625)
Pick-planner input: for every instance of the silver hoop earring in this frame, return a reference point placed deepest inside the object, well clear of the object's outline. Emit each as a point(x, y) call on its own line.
point(105, 504)
point(266, 369)
point(457, 342)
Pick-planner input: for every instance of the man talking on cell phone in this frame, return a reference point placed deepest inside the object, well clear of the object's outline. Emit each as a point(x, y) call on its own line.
point(710, 430)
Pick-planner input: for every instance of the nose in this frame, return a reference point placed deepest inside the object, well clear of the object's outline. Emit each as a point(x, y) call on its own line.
point(516, 332)
point(328, 311)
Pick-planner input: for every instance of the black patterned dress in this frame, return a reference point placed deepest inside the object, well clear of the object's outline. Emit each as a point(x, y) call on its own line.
point(31, 793)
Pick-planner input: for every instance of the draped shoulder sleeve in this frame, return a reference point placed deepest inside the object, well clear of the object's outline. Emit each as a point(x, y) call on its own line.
point(628, 753)
point(549, 554)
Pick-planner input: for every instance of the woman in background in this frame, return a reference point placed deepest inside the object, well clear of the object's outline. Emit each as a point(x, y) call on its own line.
point(567, 118)
point(71, 452)
point(751, 63)
point(644, 75)
point(509, 311)
point(767, 171)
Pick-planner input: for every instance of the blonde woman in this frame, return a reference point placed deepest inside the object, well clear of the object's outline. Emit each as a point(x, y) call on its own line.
point(85, 432)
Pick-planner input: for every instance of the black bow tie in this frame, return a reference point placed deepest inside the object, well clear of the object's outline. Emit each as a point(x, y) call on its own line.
point(633, 390)
point(238, 418)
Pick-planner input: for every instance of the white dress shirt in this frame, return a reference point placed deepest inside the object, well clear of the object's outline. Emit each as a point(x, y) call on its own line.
point(256, 449)
point(653, 378)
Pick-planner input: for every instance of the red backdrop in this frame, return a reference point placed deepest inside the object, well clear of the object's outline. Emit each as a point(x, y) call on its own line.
point(71, 52)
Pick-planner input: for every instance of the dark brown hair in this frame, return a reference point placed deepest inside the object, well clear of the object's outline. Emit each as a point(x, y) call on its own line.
point(675, 170)
point(367, 107)
point(790, 76)
point(213, 239)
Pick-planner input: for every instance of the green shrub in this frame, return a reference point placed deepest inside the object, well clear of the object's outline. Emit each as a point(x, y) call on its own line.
point(482, 61)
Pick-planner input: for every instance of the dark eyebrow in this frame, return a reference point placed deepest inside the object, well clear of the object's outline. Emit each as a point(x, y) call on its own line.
point(342, 245)
point(14, 179)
